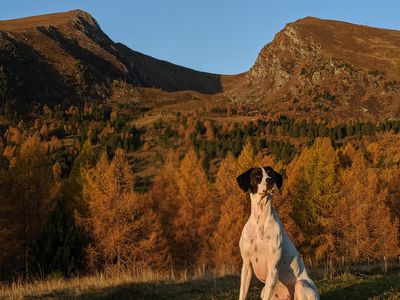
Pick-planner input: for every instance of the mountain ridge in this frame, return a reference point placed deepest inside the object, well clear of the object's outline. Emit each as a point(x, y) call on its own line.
point(74, 49)
point(54, 19)
point(312, 68)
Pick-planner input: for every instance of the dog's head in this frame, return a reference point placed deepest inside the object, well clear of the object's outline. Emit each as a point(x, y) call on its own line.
point(259, 180)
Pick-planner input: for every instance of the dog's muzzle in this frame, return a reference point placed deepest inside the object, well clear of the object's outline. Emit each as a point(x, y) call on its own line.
point(267, 192)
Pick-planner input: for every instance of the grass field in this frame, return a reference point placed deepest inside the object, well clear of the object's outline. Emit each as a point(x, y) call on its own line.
point(382, 287)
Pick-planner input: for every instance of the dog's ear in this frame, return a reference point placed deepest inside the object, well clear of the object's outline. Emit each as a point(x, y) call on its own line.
point(243, 180)
point(276, 177)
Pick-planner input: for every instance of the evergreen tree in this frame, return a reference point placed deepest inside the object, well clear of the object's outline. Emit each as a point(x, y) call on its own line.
point(73, 187)
point(60, 246)
point(10, 245)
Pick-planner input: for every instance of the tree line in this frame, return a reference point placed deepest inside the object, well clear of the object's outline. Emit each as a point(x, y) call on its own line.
point(71, 204)
point(334, 203)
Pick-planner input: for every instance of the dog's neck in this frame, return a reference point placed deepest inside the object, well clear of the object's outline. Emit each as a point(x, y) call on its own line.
point(261, 206)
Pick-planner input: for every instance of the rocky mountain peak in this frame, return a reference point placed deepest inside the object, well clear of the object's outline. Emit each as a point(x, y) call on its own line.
point(326, 66)
point(279, 60)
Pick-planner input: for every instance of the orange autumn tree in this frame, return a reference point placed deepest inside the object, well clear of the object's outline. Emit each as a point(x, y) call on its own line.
point(9, 243)
point(190, 131)
point(233, 215)
point(363, 222)
point(124, 231)
point(32, 192)
point(246, 158)
point(285, 201)
point(391, 179)
point(195, 219)
point(209, 130)
point(163, 193)
point(312, 186)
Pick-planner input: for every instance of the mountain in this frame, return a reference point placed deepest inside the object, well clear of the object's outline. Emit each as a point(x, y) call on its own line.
point(329, 67)
point(67, 57)
point(313, 68)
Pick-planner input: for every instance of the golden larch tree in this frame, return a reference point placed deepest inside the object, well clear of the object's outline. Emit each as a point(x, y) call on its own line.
point(363, 221)
point(246, 157)
point(194, 223)
point(32, 191)
point(312, 185)
point(124, 230)
point(390, 178)
point(234, 212)
point(162, 195)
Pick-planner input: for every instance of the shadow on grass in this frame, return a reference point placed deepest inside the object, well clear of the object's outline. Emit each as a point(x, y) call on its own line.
point(373, 287)
point(207, 288)
point(226, 288)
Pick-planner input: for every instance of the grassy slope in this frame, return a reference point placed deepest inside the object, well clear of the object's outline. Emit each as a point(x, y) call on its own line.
point(345, 287)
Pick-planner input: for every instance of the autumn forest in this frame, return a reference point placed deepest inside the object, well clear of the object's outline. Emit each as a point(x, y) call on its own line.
point(72, 201)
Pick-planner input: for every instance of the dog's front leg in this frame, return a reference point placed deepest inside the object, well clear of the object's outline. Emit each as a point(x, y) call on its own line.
point(245, 279)
point(272, 275)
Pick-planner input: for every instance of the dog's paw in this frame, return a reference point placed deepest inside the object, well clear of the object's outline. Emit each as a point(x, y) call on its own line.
point(262, 292)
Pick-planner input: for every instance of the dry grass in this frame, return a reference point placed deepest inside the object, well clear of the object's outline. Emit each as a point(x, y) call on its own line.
point(55, 287)
point(75, 286)
point(217, 285)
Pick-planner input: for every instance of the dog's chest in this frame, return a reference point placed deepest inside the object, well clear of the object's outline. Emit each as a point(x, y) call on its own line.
point(257, 245)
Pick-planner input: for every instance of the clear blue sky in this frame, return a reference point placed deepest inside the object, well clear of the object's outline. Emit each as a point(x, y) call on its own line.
point(220, 36)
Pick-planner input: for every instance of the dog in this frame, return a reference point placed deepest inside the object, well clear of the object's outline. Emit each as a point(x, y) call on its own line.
point(265, 246)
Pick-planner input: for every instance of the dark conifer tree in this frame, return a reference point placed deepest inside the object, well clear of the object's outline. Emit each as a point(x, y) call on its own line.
point(60, 247)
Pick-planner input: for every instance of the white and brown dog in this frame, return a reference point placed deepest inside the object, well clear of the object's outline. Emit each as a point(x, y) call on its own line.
point(265, 246)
